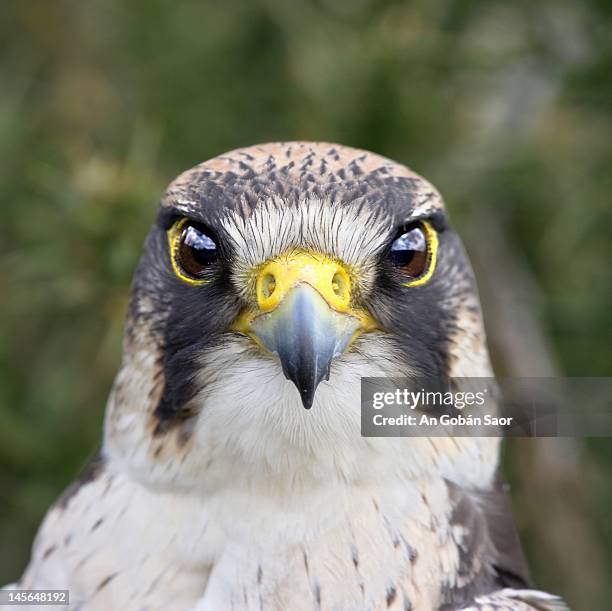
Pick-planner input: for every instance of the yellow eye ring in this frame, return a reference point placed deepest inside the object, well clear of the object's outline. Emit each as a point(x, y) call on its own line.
point(431, 238)
point(175, 236)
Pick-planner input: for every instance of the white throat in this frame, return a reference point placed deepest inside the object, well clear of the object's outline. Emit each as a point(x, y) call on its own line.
point(251, 428)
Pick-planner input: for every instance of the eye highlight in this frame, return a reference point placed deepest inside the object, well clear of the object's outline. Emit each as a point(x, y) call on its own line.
point(414, 253)
point(192, 251)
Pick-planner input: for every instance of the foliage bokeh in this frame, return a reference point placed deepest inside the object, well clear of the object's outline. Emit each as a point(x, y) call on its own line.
point(505, 106)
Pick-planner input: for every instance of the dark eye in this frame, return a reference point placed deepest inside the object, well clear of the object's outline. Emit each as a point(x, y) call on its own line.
point(410, 253)
point(196, 250)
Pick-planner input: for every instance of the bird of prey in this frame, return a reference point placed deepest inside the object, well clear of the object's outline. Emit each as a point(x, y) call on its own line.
point(274, 278)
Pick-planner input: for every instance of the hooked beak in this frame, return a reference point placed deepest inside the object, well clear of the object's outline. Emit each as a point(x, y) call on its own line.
point(305, 316)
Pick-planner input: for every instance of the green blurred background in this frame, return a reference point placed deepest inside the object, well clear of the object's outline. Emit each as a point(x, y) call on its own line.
point(505, 106)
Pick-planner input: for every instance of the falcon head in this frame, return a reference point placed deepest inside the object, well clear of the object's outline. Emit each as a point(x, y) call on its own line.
point(273, 279)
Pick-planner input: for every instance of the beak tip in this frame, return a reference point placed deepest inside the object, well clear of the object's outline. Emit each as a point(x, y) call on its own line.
point(307, 396)
point(306, 335)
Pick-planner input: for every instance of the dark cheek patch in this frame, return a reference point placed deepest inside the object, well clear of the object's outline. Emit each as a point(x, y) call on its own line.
point(198, 317)
point(412, 319)
point(422, 319)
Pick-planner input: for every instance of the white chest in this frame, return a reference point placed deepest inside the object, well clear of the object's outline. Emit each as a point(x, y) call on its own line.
point(340, 548)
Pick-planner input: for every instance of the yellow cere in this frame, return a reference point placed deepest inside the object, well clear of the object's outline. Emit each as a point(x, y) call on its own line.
point(431, 238)
point(174, 242)
point(330, 278)
point(278, 276)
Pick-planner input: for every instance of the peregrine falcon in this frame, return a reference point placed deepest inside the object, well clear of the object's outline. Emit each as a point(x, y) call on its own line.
point(275, 278)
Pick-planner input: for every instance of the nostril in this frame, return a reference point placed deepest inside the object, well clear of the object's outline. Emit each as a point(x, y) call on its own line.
point(340, 286)
point(268, 285)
